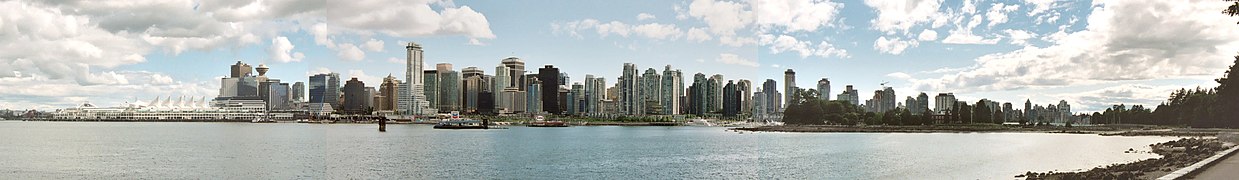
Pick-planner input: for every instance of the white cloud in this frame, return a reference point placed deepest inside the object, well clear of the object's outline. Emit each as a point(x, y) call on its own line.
point(796, 15)
point(899, 16)
point(350, 52)
point(1127, 94)
point(928, 35)
point(736, 41)
point(962, 34)
point(1190, 41)
point(658, 31)
point(645, 16)
point(728, 58)
point(280, 49)
point(1039, 6)
point(1019, 37)
point(698, 35)
point(998, 13)
point(899, 75)
point(784, 43)
point(723, 17)
point(893, 45)
point(374, 45)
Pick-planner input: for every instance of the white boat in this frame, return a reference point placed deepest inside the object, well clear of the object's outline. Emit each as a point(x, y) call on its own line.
point(262, 120)
point(699, 122)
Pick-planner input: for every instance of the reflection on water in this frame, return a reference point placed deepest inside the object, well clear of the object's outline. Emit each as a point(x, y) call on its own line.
point(49, 150)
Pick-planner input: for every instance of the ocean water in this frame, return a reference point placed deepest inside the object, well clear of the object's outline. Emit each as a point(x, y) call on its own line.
point(146, 150)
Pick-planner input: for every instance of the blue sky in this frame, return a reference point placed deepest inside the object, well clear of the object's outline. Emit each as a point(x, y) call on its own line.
point(1089, 53)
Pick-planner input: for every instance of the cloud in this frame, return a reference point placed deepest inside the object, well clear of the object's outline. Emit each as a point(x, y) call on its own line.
point(785, 43)
point(797, 15)
point(899, 75)
point(698, 35)
point(998, 13)
point(928, 35)
point(899, 16)
point(350, 52)
point(962, 34)
point(655, 31)
point(280, 49)
point(1019, 37)
point(44, 93)
point(1127, 94)
point(1189, 41)
point(373, 45)
point(728, 58)
point(893, 45)
point(723, 17)
point(645, 16)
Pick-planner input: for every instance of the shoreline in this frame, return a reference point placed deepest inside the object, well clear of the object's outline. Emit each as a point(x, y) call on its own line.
point(1107, 130)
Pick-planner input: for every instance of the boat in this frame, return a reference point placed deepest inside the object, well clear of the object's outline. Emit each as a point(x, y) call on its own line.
point(461, 124)
point(262, 120)
point(699, 122)
point(547, 124)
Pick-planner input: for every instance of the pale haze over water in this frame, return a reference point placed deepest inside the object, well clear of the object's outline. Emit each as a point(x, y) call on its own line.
point(59, 150)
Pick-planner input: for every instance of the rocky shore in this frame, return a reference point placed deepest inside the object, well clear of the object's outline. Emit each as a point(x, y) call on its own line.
point(1175, 154)
point(938, 129)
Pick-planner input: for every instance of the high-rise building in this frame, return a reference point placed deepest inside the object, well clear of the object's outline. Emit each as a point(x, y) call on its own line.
point(416, 100)
point(388, 90)
point(431, 89)
point(474, 84)
point(944, 102)
point(629, 84)
point(298, 92)
point(672, 88)
point(697, 95)
point(576, 99)
point(325, 88)
point(714, 94)
point(731, 100)
point(502, 80)
point(746, 95)
point(789, 85)
point(823, 89)
point(516, 71)
point(773, 98)
point(241, 69)
point(922, 103)
point(533, 95)
point(651, 92)
point(277, 96)
point(449, 95)
point(850, 95)
point(595, 92)
point(1064, 111)
point(355, 96)
point(549, 77)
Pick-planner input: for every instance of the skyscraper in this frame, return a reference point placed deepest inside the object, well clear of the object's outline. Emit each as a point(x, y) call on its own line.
point(714, 93)
point(697, 95)
point(474, 84)
point(298, 92)
point(516, 71)
point(388, 90)
point(651, 92)
point(502, 80)
point(325, 88)
point(850, 95)
point(823, 89)
point(944, 102)
point(355, 96)
point(595, 92)
point(746, 95)
point(731, 100)
point(449, 95)
point(241, 69)
point(549, 75)
point(773, 98)
point(416, 99)
point(629, 87)
point(922, 101)
point(789, 85)
point(672, 88)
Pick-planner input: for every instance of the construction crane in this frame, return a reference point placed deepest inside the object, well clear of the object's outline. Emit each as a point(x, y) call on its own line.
point(884, 83)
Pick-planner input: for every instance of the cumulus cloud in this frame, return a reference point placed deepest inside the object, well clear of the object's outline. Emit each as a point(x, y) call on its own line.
point(1189, 41)
point(645, 16)
point(998, 13)
point(698, 35)
point(893, 45)
point(280, 49)
point(723, 17)
point(350, 52)
point(797, 15)
point(900, 16)
point(928, 35)
point(785, 43)
point(651, 30)
point(374, 45)
point(728, 58)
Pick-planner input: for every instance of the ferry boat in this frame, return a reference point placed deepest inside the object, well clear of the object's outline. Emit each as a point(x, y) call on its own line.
point(540, 121)
point(262, 120)
point(461, 124)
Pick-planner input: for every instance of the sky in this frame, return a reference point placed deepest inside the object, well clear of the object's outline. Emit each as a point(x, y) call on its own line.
point(1092, 54)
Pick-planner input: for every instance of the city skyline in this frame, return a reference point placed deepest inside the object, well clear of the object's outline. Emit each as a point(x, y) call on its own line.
point(654, 35)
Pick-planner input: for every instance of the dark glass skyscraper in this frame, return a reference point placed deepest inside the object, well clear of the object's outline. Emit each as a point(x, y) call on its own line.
point(549, 75)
